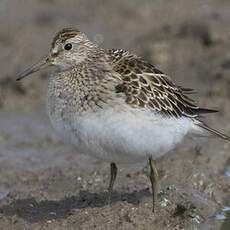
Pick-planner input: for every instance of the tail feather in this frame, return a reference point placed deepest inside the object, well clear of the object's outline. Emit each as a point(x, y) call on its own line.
point(203, 110)
point(215, 132)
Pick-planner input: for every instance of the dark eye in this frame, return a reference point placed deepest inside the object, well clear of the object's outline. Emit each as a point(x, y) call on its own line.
point(68, 46)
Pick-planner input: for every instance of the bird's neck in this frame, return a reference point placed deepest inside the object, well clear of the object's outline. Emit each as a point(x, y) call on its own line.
point(87, 83)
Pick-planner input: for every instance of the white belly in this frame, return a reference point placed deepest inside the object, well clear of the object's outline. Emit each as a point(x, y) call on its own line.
point(123, 136)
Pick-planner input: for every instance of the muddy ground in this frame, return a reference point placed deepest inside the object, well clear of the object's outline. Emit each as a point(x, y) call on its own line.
point(45, 184)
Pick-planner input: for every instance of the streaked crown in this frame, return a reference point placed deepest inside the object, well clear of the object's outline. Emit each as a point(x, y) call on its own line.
point(65, 34)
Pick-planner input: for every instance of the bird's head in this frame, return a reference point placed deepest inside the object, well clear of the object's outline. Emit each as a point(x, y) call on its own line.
point(69, 48)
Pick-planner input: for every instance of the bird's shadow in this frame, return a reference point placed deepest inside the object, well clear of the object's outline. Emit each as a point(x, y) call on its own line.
point(33, 211)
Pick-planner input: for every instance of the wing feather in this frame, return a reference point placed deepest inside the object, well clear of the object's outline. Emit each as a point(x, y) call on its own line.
point(146, 86)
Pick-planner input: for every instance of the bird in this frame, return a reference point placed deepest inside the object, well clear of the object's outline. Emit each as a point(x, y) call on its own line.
point(116, 106)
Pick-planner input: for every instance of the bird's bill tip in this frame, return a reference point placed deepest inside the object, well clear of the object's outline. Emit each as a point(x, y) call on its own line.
point(40, 65)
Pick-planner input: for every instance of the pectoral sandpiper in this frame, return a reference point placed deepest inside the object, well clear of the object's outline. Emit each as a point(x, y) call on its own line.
point(114, 105)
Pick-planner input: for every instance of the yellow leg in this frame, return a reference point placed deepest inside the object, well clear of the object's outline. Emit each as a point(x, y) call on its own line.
point(113, 175)
point(153, 176)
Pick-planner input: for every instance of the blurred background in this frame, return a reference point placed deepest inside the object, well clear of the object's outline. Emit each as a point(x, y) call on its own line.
point(188, 40)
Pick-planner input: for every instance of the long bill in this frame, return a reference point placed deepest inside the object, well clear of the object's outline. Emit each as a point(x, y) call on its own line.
point(40, 65)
